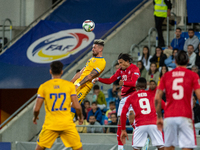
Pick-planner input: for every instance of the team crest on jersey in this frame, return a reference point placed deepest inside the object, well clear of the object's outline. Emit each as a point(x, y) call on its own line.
point(129, 72)
point(60, 45)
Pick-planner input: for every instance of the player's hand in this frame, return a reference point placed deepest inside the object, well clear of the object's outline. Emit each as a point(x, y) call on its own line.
point(121, 82)
point(95, 80)
point(159, 124)
point(35, 120)
point(124, 136)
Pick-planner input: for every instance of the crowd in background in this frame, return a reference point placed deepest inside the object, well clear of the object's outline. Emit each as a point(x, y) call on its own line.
point(103, 110)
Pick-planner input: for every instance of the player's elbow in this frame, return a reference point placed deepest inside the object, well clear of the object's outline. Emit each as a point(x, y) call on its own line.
point(89, 77)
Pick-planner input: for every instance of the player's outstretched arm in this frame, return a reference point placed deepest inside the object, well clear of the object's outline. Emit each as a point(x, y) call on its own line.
point(158, 99)
point(89, 77)
point(36, 109)
point(77, 107)
point(77, 75)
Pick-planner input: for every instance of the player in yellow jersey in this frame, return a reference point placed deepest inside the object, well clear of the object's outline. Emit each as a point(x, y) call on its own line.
point(93, 68)
point(57, 95)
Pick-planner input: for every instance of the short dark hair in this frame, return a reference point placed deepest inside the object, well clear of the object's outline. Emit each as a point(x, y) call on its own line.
point(181, 58)
point(56, 67)
point(191, 45)
point(191, 29)
point(141, 83)
point(125, 57)
point(176, 49)
point(96, 87)
point(112, 103)
point(86, 101)
point(99, 42)
point(153, 81)
point(113, 114)
point(178, 29)
point(93, 116)
point(94, 103)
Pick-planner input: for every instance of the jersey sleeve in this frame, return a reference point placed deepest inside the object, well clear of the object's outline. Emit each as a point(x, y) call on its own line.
point(162, 84)
point(98, 67)
point(124, 112)
point(111, 79)
point(134, 77)
point(196, 81)
point(40, 93)
point(73, 90)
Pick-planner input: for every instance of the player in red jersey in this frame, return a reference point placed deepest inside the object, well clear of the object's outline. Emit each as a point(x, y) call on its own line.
point(178, 85)
point(129, 74)
point(145, 118)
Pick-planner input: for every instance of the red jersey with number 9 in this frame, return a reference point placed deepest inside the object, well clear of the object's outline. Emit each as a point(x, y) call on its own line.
point(179, 85)
point(143, 105)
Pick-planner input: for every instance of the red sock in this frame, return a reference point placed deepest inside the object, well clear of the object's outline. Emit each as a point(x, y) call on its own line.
point(119, 130)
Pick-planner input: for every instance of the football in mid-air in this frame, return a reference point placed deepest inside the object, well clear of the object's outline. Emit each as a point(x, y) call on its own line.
point(88, 25)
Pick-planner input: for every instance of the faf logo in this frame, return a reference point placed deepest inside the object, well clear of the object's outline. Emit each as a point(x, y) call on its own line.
point(60, 45)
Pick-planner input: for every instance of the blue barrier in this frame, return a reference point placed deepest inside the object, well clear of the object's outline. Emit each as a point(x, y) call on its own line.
point(5, 146)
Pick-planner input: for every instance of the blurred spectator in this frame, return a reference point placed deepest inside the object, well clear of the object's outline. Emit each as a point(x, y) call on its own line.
point(92, 121)
point(196, 110)
point(82, 129)
point(113, 117)
point(178, 42)
point(159, 57)
point(99, 97)
point(195, 69)
point(145, 58)
point(192, 56)
point(153, 73)
point(170, 61)
point(87, 108)
point(143, 70)
point(192, 40)
point(95, 111)
point(197, 62)
point(161, 11)
point(109, 112)
point(164, 69)
point(113, 91)
point(152, 87)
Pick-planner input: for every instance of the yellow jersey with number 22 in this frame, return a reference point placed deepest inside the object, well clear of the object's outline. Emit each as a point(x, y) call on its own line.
point(57, 99)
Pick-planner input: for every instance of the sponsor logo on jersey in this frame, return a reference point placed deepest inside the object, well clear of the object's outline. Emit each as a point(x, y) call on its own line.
point(58, 46)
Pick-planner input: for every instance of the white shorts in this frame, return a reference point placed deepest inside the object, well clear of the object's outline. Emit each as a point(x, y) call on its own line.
point(121, 105)
point(141, 133)
point(179, 131)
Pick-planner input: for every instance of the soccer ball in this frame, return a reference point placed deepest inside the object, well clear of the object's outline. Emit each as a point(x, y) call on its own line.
point(88, 25)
